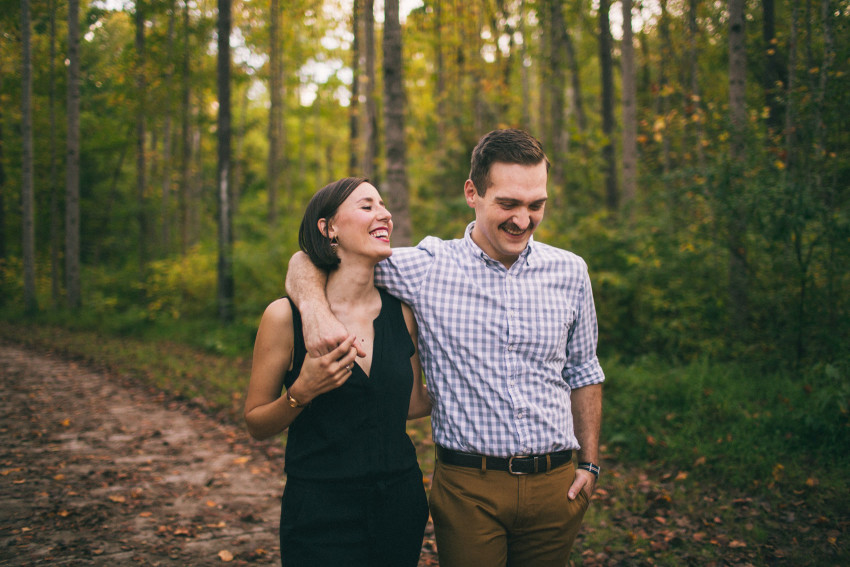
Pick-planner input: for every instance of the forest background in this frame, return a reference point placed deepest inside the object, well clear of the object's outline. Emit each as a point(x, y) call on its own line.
point(153, 176)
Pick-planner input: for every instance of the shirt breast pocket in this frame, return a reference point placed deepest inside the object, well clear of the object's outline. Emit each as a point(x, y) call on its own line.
point(551, 329)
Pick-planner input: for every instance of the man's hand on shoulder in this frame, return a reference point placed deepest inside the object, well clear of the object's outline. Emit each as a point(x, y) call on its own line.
point(305, 284)
point(323, 332)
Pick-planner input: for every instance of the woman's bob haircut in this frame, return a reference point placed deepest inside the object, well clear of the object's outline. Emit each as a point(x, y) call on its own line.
point(324, 205)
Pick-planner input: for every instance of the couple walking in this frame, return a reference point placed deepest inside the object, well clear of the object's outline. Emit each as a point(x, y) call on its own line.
point(503, 327)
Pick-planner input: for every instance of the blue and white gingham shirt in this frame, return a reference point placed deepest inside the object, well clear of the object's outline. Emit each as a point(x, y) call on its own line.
point(501, 349)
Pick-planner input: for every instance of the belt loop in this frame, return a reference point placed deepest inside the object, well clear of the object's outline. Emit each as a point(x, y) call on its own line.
point(483, 463)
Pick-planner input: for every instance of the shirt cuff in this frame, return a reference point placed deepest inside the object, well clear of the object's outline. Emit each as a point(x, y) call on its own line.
point(587, 374)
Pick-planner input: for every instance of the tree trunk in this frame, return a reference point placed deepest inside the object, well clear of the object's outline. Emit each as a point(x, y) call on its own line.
point(55, 240)
point(275, 114)
point(524, 75)
point(772, 74)
point(695, 114)
point(72, 161)
point(575, 80)
point(612, 198)
point(370, 135)
point(354, 117)
point(394, 108)
point(440, 94)
point(141, 166)
point(663, 90)
point(630, 152)
point(738, 301)
point(225, 236)
point(27, 186)
point(165, 211)
point(185, 133)
point(556, 86)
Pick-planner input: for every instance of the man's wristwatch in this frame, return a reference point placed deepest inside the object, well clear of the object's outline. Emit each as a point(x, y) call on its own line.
point(293, 402)
point(592, 468)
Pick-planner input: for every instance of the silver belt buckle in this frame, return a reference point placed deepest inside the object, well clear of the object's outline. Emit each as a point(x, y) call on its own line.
point(511, 464)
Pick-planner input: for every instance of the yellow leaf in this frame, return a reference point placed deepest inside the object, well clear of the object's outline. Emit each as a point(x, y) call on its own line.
point(241, 460)
point(211, 504)
point(735, 544)
point(66, 422)
point(225, 555)
point(811, 482)
point(117, 498)
point(682, 475)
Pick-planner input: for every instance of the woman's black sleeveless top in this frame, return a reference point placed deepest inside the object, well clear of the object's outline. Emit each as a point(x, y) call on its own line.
point(357, 431)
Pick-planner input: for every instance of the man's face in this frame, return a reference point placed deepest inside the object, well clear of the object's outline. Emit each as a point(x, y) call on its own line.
point(510, 210)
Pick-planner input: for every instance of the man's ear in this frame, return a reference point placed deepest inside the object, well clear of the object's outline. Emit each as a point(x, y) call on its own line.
point(470, 193)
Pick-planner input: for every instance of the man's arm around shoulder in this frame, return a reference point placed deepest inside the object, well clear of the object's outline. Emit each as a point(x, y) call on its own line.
point(305, 284)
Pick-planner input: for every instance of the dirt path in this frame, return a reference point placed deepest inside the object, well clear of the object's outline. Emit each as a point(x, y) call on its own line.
point(103, 473)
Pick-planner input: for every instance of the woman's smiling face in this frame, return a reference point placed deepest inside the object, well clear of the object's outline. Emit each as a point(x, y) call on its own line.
point(362, 225)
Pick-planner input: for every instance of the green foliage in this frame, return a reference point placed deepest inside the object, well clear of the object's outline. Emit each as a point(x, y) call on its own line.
point(182, 286)
point(660, 266)
point(755, 427)
point(654, 286)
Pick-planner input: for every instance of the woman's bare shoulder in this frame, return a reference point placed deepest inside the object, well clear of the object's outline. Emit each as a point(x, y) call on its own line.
point(278, 312)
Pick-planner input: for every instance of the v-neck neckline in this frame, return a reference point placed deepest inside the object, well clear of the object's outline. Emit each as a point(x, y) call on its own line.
point(375, 328)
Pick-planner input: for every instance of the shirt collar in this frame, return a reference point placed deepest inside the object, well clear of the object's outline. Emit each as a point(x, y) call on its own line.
point(473, 248)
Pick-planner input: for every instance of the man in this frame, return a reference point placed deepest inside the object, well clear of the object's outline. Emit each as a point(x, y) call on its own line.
point(507, 338)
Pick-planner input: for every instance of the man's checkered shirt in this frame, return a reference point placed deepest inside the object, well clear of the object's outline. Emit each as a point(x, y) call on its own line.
point(501, 349)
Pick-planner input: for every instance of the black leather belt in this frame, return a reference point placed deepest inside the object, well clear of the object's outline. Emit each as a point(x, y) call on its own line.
point(520, 464)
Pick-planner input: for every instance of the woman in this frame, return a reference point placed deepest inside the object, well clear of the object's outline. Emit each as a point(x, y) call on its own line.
point(354, 493)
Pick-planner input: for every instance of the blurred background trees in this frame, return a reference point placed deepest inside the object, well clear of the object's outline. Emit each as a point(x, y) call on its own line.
point(701, 167)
